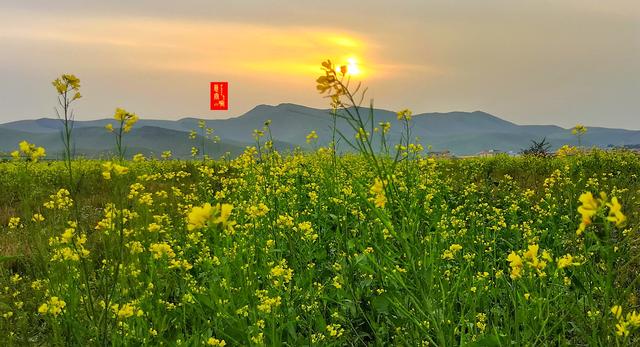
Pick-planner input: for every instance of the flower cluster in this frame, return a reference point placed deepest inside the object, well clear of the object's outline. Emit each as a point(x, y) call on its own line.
point(377, 190)
point(126, 120)
point(531, 259)
point(110, 168)
point(54, 306)
point(625, 324)
point(591, 206)
point(30, 151)
point(61, 200)
point(200, 216)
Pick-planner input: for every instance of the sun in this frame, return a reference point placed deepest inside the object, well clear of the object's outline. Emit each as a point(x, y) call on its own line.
point(352, 66)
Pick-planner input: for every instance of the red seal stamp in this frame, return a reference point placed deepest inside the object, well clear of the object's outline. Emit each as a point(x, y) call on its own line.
point(219, 96)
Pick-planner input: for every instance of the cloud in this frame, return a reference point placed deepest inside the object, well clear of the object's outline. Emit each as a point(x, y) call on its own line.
point(527, 61)
point(196, 46)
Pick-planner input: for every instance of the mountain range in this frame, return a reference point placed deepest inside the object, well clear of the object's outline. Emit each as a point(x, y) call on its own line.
point(461, 133)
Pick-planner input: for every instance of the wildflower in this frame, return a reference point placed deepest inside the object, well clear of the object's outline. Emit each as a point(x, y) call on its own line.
point(615, 212)
point(67, 83)
point(566, 150)
point(590, 207)
point(37, 218)
point(566, 261)
point(337, 282)
point(631, 320)
point(61, 200)
point(385, 126)
point(139, 158)
point(362, 134)
point(621, 329)
point(312, 136)
point(135, 247)
point(43, 309)
point(481, 319)
point(24, 146)
point(515, 262)
point(281, 271)
point(16, 278)
point(109, 127)
point(588, 210)
point(634, 319)
point(579, 129)
point(126, 119)
point(258, 339)
point(531, 255)
point(30, 151)
point(377, 190)
point(335, 330)
point(68, 233)
point(199, 216)
point(166, 154)
point(225, 213)
point(14, 223)
point(162, 249)
point(108, 168)
point(616, 310)
point(330, 83)
point(257, 134)
point(308, 233)
point(54, 306)
point(404, 115)
point(257, 210)
point(267, 304)
point(212, 341)
point(450, 253)
point(126, 311)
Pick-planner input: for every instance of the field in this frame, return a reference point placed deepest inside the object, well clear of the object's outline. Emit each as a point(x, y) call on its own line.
point(380, 245)
point(314, 249)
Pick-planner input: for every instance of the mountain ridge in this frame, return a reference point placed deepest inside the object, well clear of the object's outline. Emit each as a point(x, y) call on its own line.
point(461, 133)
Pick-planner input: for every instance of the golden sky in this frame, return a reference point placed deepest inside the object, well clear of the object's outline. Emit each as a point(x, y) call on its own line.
point(531, 62)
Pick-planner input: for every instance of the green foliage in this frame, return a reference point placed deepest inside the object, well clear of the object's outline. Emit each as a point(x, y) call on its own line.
point(360, 274)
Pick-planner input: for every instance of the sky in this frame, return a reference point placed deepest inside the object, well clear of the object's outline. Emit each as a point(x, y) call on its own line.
point(528, 61)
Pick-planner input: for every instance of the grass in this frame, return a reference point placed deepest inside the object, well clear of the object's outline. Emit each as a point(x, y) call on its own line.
point(312, 261)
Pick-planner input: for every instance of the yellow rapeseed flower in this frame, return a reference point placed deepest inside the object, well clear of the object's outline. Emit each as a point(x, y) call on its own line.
point(515, 262)
point(615, 212)
point(199, 216)
point(162, 249)
point(212, 341)
point(377, 190)
point(404, 114)
point(54, 306)
point(108, 168)
point(566, 261)
point(587, 210)
point(312, 136)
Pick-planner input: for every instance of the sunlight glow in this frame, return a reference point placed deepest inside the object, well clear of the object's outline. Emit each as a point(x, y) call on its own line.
point(352, 66)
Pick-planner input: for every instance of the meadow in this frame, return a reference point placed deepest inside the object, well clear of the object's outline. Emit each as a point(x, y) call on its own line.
point(382, 246)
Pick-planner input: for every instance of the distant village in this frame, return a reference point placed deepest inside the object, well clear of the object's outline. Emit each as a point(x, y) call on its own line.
point(494, 152)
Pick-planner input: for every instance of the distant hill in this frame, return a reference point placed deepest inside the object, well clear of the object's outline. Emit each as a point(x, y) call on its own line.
point(462, 133)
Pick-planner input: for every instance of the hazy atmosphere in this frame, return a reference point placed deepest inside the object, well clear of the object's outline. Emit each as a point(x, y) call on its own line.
point(530, 62)
point(212, 173)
